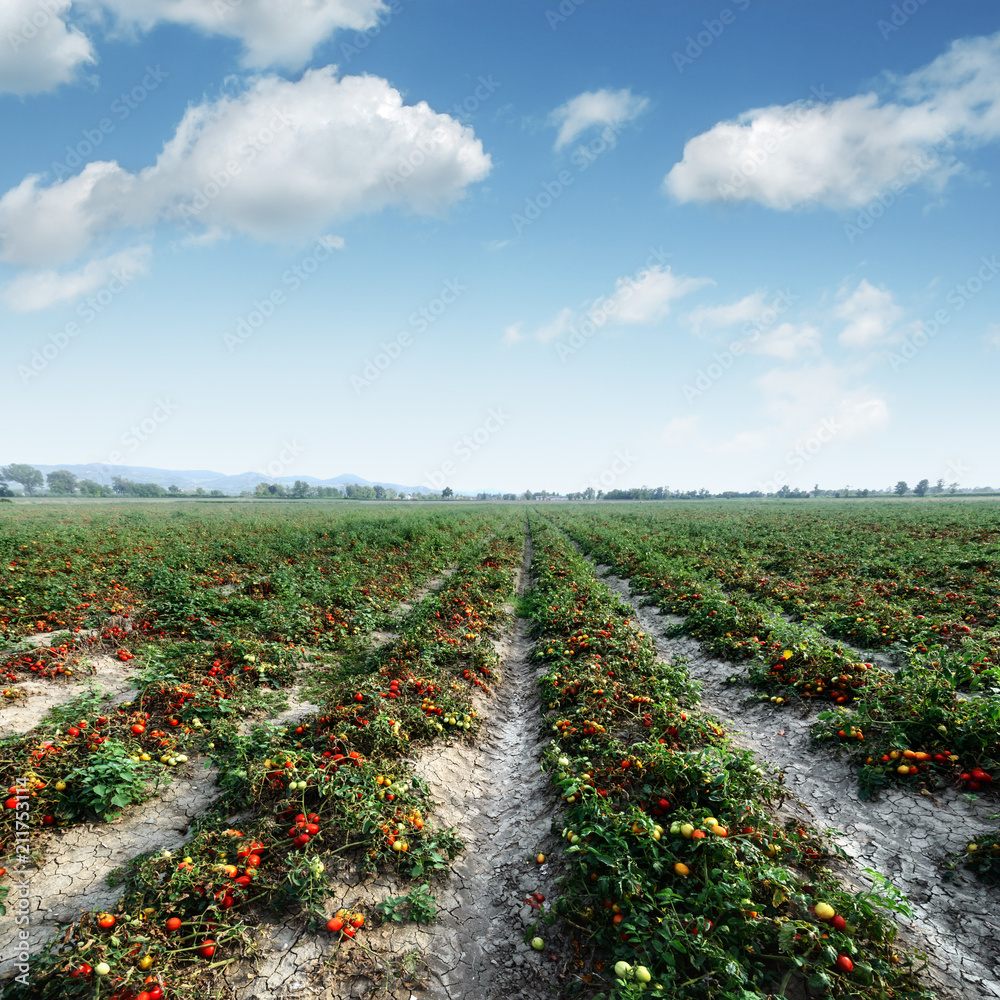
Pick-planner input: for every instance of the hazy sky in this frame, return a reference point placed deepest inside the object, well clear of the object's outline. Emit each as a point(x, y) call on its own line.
point(510, 244)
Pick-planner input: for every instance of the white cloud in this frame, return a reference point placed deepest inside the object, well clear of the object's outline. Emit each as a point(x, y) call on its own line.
point(704, 319)
point(39, 50)
point(993, 336)
point(634, 302)
point(595, 107)
point(844, 153)
point(648, 299)
point(788, 341)
point(681, 431)
point(278, 161)
point(41, 289)
point(804, 398)
point(273, 32)
point(870, 313)
point(512, 335)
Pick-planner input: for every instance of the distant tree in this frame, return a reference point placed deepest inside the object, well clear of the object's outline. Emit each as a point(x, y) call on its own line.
point(200, 492)
point(938, 487)
point(921, 488)
point(88, 488)
point(953, 488)
point(61, 482)
point(173, 489)
point(815, 490)
point(28, 476)
point(216, 493)
point(269, 490)
point(864, 493)
point(447, 492)
point(357, 492)
point(588, 493)
point(379, 492)
point(390, 493)
point(5, 490)
point(528, 495)
point(900, 488)
point(300, 490)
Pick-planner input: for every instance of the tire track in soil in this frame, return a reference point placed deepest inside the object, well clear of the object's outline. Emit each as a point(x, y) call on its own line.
point(72, 876)
point(500, 801)
point(900, 835)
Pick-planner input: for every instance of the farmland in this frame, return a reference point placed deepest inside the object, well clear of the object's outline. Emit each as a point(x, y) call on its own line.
point(727, 750)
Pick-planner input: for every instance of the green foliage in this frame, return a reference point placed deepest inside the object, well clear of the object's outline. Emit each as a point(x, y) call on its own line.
point(417, 905)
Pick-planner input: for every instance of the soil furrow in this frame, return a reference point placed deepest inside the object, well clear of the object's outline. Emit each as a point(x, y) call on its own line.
point(496, 796)
point(77, 860)
point(902, 836)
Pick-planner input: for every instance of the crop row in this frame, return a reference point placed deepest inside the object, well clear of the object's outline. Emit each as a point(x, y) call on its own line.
point(312, 798)
point(880, 716)
point(679, 870)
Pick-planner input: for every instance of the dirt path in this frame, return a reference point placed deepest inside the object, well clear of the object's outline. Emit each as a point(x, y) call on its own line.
point(108, 672)
point(902, 836)
point(382, 636)
point(496, 796)
point(72, 877)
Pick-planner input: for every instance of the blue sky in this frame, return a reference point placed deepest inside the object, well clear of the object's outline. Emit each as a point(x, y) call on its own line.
point(510, 245)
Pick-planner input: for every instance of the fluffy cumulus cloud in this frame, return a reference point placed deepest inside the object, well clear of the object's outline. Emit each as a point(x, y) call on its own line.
point(635, 301)
point(277, 161)
point(870, 314)
point(39, 50)
point(845, 153)
point(273, 32)
point(595, 107)
point(41, 289)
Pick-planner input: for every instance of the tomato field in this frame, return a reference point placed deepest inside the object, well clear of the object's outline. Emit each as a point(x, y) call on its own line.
point(722, 749)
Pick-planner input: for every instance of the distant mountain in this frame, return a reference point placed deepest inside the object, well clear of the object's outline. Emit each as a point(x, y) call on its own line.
point(191, 479)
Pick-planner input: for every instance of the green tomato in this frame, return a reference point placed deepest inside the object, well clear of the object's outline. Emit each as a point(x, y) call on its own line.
point(102, 969)
point(641, 974)
point(622, 969)
point(537, 943)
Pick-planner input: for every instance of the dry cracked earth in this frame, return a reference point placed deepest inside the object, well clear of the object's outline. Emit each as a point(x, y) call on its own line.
point(492, 791)
point(902, 836)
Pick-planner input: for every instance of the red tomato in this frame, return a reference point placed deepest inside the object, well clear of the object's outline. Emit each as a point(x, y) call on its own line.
point(843, 964)
point(174, 924)
point(106, 920)
point(207, 950)
point(138, 728)
point(334, 925)
point(253, 861)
